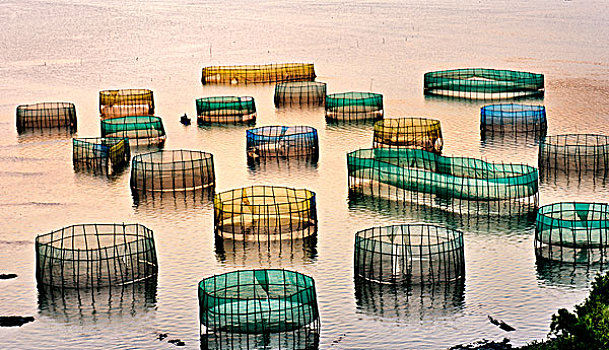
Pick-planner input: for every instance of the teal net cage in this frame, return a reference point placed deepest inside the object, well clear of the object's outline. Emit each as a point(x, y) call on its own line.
point(172, 171)
point(409, 253)
point(95, 255)
point(125, 103)
point(100, 155)
point(513, 119)
point(574, 154)
point(226, 110)
point(258, 302)
point(483, 83)
point(574, 232)
point(282, 141)
point(140, 130)
point(265, 73)
point(46, 115)
point(305, 93)
point(416, 133)
point(354, 106)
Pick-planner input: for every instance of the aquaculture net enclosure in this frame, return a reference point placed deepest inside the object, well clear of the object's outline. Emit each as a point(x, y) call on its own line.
point(125, 103)
point(282, 141)
point(409, 253)
point(513, 119)
point(44, 115)
point(261, 213)
point(226, 109)
point(95, 255)
point(258, 301)
point(104, 155)
point(574, 153)
point(305, 93)
point(266, 73)
point(140, 130)
point(417, 133)
point(573, 232)
point(302, 339)
point(349, 106)
point(172, 170)
point(483, 83)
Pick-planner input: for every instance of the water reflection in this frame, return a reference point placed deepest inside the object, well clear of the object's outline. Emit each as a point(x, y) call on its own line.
point(184, 202)
point(302, 339)
point(266, 253)
point(562, 274)
point(304, 165)
point(41, 135)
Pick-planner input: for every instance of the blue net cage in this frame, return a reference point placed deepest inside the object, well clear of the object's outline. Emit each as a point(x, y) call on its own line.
point(513, 119)
point(100, 155)
point(282, 141)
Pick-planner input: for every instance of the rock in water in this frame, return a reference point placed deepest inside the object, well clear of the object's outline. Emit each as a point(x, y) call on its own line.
point(14, 321)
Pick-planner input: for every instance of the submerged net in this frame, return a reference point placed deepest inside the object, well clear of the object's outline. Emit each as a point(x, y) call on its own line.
point(140, 130)
point(417, 133)
point(262, 213)
point(573, 232)
point(95, 255)
point(482, 83)
point(226, 109)
point(125, 103)
point(44, 115)
point(574, 154)
point(282, 141)
point(513, 119)
point(301, 339)
point(348, 106)
point(306, 93)
point(103, 155)
point(266, 73)
point(258, 301)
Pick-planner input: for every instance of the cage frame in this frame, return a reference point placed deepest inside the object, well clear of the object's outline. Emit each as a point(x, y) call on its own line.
point(44, 118)
point(133, 102)
point(226, 110)
point(302, 93)
point(409, 132)
point(144, 124)
point(100, 155)
point(552, 162)
point(279, 141)
point(354, 106)
point(258, 74)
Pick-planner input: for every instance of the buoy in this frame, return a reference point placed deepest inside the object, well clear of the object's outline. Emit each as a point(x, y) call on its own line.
point(185, 120)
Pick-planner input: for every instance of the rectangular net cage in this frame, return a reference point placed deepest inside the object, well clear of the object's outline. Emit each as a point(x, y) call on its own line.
point(574, 232)
point(100, 155)
point(95, 255)
point(125, 103)
point(574, 155)
point(226, 110)
point(354, 106)
point(514, 120)
point(416, 133)
point(303, 93)
point(409, 253)
point(282, 141)
point(262, 213)
point(172, 171)
point(140, 130)
point(46, 115)
point(265, 73)
point(483, 83)
point(258, 302)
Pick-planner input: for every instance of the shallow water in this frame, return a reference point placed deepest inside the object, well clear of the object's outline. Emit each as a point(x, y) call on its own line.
point(69, 50)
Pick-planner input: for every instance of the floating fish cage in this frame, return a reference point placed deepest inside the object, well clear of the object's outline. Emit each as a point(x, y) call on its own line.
point(226, 110)
point(140, 130)
point(262, 213)
point(416, 133)
point(354, 106)
point(101, 155)
point(513, 119)
point(282, 141)
point(303, 93)
point(574, 153)
point(258, 302)
point(483, 83)
point(266, 73)
point(172, 171)
point(573, 232)
point(409, 253)
point(95, 255)
point(125, 103)
point(46, 115)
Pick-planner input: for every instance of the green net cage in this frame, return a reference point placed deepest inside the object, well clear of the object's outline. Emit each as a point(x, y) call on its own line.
point(572, 154)
point(172, 171)
point(259, 213)
point(95, 255)
point(483, 83)
point(513, 119)
point(301, 339)
point(226, 110)
point(125, 103)
point(409, 253)
point(282, 141)
point(265, 73)
point(304, 93)
point(140, 130)
point(100, 155)
point(258, 302)
point(575, 232)
point(46, 115)
point(354, 106)
point(417, 133)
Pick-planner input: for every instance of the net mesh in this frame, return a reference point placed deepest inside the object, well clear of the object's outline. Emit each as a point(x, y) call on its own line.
point(100, 155)
point(140, 130)
point(417, 133)
point(125, 103)
point(301, 339)
point(226, 109)
point(572, 154)
point(266, 73)
point(44, 115)
point(306, 93)
point(282, 141)
point(353, 106)
point(513, 119)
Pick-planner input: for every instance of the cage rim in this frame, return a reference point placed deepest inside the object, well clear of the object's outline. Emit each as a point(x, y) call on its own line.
point(447, 73)
point(556, 138)
point(547, 210)
point(310, 195)
point(61, 104)
point(139, 158)
point(498, 107)
point(260, 66)
point(298, 84)
point(144, 118)
point(452, 235)
point(354, 95)
point(126, 91)
point(225, 98)
point(147, 233)
point(428, 122)
point(307, 130)
point(98, 138)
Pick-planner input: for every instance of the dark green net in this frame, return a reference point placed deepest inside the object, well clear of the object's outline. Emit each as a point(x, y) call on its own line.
point(226, 110)
point(305, 93)
point(140, 130)
point(353, 106)
point(46, 115)
point(574, 155)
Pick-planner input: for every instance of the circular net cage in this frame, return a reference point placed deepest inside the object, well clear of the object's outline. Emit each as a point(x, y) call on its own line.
point(282, 141)
point(226, 110)
point(140, 130)
point(125, 103)
point(409, 253)
point(305, 93)
point(483, 83)
point(258, 301)
point(266, 73)
point(95, 255)
point(100, 155)
point(416, 133)
point(513, 119)
point(46, 115)
point(172, 171)
point(262, 213)
point(573, 232)
point(574, 154)
point(350, 106)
